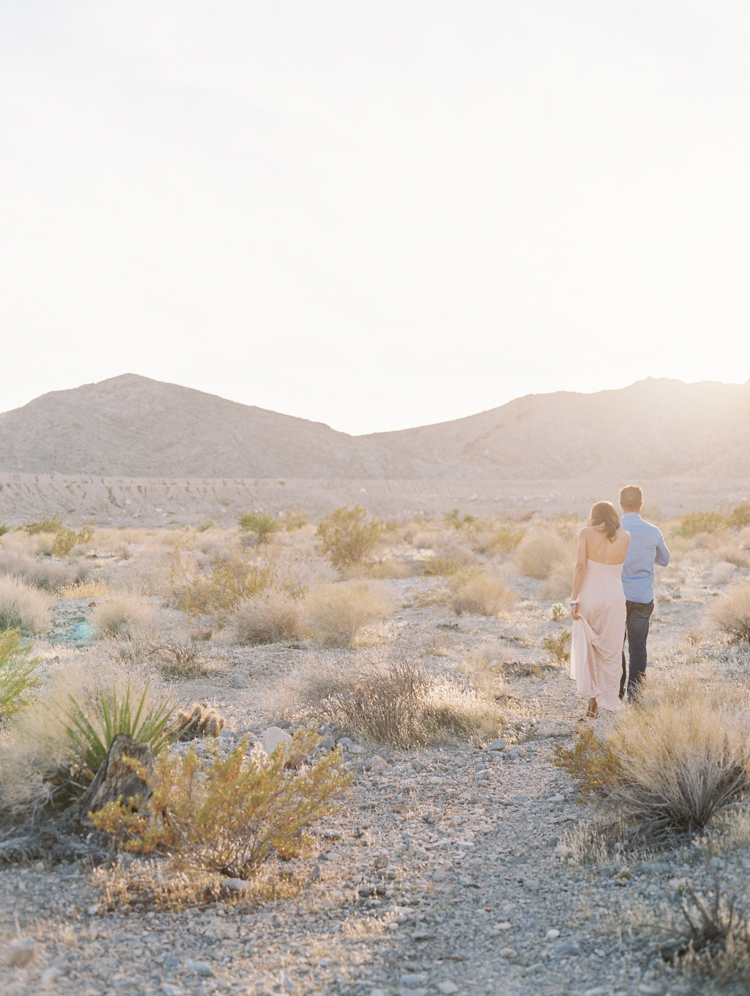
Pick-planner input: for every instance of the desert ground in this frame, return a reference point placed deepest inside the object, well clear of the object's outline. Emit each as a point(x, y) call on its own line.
point(463, 858)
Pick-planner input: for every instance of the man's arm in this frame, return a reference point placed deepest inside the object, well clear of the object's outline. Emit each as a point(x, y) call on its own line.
point(662, 553)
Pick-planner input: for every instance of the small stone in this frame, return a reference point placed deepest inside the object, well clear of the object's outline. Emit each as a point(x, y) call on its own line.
point(417, 765)
point(356, 749)
point(532, 884)
point(272, 737)
point(500, 744)
point(235, 884)
point(332, 834)
point(552, 934)
point(169, 990)
point(504, 925)
point(447, 988)
point(507, 952)
point(422, 935)
point(376, 763)
point(412, 979)
point(200, 968)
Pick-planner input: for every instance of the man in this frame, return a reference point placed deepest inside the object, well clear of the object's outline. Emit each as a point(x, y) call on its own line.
point(647, 548)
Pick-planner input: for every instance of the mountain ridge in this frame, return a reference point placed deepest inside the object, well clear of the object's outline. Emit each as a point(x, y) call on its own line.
point(134, 426)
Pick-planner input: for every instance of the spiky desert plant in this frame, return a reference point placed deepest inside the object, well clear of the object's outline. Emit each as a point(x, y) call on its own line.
point(262, 524)
point(91, 727)
point(18, 673)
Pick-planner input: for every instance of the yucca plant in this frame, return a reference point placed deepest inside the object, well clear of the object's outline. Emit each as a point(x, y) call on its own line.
point(18, 677)
point(263, 524)
point(91, 729)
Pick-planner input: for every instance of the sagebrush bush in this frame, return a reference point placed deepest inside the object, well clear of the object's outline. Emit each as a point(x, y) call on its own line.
point(346, 536)
point(268, 618)
point(730, 614)
point(481, 595)
point(23, 607)
point(672, 764)
point(232, 815)
point(180, 658)
point(338, 614)
point(18, 673)
point(121, 615)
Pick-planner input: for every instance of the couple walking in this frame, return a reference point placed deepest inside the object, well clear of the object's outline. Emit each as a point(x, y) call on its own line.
point(612, 601)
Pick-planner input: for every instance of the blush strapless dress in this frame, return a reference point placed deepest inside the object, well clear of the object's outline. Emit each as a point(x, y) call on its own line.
point(598, 635)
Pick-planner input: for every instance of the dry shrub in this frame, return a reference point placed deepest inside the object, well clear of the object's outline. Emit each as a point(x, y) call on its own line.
point(716, 941)
point(180, 658)
point(723, 572)
point(123, 616)
point(386, 698)
point(383, 570)
point(268, 618)
point(492, 539)
point(338, 614)
point(730, 614)
point(23, 607)
point(481, 595)
point(49, 575)
point(541, 550)
point(673, 763)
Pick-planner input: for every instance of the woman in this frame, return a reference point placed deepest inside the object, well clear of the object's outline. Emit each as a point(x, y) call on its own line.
point(597, 604)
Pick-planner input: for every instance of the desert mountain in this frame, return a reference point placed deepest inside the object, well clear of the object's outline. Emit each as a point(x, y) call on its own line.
point(131, 426)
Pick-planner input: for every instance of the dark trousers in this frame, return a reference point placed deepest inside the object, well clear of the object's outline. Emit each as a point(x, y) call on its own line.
point(636, 634)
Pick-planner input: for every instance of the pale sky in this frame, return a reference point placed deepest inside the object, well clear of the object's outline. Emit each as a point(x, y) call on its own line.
point(374, 213)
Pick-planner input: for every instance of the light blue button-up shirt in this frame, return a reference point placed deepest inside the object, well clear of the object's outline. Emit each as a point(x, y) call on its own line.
point(647, 547)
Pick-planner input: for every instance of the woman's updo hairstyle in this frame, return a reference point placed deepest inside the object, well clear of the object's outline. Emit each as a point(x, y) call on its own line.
point(604, 514)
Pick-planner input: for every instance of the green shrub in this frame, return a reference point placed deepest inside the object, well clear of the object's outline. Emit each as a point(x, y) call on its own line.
point(589, 762)
point(347, 537)
point(52, 525)
point(18, 674)
point(91, 727)
point(220, 588)
point(739, 516)
point(458, 521)
point(233, 815)
point(262, 524)
point(558, 646)
point(700, 522)
point(4, 529)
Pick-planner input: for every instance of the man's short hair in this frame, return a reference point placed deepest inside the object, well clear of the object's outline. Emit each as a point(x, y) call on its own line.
point(631, 498)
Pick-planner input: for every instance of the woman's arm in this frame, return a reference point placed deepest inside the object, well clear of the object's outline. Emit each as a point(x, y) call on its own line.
point(578, 573)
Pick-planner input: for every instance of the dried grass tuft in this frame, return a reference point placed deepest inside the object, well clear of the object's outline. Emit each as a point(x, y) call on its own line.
point(23, 607)
point(339, 614)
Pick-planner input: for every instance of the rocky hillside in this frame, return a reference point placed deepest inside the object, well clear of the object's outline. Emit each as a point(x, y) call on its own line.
point(131, 426)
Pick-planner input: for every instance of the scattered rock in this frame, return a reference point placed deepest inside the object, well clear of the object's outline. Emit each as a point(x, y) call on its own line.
point(272, 737)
